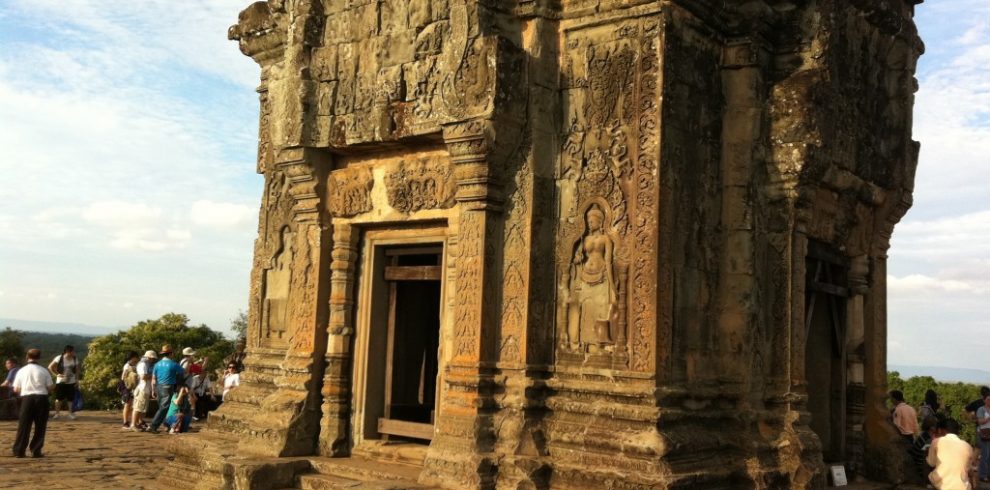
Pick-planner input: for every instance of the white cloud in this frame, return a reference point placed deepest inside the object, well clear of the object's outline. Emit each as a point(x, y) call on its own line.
point(920, 283)
point(224, 215)
point(952, 108)
point(121, 214)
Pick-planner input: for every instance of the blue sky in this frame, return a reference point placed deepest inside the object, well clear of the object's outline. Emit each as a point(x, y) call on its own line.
point(129, 128)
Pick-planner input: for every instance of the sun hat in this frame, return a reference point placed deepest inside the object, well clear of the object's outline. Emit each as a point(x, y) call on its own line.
point(151, 354)
point(166, 350)
point(188, 351)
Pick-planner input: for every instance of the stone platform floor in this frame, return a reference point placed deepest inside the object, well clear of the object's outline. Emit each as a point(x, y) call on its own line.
point(90, 452)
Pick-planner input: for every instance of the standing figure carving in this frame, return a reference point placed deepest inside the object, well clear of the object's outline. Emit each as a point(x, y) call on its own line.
point(591, 298)
point(275, 308)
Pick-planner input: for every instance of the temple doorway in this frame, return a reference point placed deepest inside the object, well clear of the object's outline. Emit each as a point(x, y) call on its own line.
point(413, 339)
point(825, 352)
point(397, 388)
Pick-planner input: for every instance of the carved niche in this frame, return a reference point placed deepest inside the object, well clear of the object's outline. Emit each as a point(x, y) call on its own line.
point(349, 191)
point(607, 266)
point(419, 185)
point(276, 279)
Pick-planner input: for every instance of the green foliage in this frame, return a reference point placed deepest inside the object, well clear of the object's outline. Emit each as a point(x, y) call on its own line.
point(107, 353)
point(11, 345)
point(239, 325)
point(52, 344)
point(953, 396)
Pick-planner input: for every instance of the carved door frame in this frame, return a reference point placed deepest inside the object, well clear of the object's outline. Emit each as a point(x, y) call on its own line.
point(374, 238)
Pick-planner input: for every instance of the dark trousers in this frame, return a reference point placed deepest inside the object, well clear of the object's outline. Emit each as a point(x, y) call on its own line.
point(34, 410)
point(203, 405)
point(164, 393)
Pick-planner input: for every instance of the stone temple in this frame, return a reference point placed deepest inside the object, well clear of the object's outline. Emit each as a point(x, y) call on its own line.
point(569, 244)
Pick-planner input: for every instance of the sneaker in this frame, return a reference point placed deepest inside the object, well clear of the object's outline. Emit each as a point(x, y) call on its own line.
point(72, 416)
point(55, 416)
point(133, 429)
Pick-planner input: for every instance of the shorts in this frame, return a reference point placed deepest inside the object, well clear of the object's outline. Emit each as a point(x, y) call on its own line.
point(65, 392)
point(141, 401)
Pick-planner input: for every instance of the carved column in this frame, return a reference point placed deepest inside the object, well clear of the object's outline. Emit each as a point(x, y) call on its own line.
point(742, 128)
point(460, 455)
point(334, 431)
point(859, 269)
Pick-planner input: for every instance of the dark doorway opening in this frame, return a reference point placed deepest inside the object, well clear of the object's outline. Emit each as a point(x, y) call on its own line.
point(825, 348)
point(413, 279)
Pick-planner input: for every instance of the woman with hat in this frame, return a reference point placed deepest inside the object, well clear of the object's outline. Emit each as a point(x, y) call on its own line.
point(142, 393)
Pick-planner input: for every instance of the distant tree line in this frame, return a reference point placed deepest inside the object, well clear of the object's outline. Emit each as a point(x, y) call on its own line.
point(103, 357)
point(14, 343)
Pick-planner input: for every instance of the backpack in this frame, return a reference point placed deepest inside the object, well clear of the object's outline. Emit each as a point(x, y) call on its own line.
point(131, 379)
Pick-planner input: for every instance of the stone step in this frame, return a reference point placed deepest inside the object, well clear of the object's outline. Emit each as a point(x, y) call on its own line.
point(312, 481)
point(363, 469)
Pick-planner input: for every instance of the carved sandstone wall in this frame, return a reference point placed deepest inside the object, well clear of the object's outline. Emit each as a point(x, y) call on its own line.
point(629, 194)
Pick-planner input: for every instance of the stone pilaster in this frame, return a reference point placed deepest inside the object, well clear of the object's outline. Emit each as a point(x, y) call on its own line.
point(334, 427)
point(461, 453)
point(277, 407)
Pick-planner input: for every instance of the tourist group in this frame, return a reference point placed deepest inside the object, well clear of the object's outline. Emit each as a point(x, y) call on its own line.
point(942, 457)
point(181, 388)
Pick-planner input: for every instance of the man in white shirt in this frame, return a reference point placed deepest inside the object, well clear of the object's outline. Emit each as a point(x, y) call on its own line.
point(33, 383)
point(950, 457)
point(142, 393)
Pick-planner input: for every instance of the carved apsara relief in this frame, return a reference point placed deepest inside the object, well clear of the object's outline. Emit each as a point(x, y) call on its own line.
point(349, 191)
point(276, 282)
point(418, 185)
point(589, 289)
point(607, 187)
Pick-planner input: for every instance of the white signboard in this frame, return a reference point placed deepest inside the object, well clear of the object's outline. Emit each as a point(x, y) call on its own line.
point(838, 475)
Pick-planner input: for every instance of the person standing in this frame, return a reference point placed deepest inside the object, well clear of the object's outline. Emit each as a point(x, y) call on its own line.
point(983, 427)
point(975, 405)
point(164, 378)
point(11, 366)
point(202, 388)
point(33, 383)
point(142, 393)
point(66, 367)
point(905, 418)
point(190, 366)
point(930, 407)
point(231, 380)
point(127, 386)
point(950, 457)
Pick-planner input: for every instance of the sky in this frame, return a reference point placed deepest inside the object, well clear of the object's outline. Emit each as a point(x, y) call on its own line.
point(939, 266)
point(127, 173)
point(128, 188)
